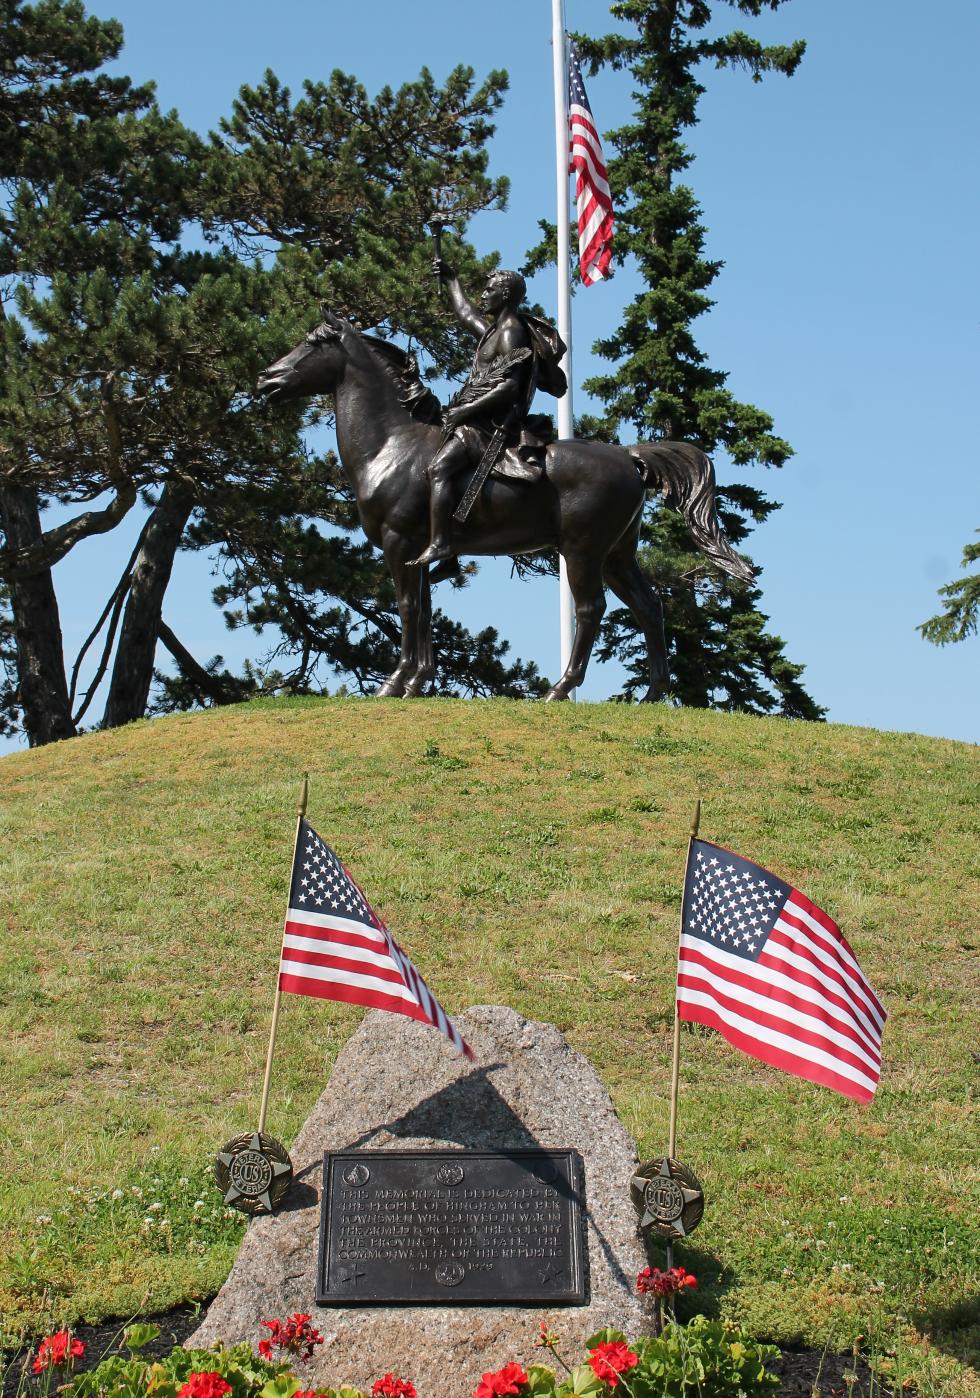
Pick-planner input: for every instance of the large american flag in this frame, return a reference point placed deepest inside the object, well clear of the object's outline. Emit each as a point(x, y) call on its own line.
point(592, 198)
point(774, 975)
point(335, 946)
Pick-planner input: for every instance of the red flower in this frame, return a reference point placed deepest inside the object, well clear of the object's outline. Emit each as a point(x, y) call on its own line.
point(208, 1384)
point(609, 1360)
point(295, 1336)
point(651, 1281)
point(56, 1351)
point(390, 1387)
point(506, 1381)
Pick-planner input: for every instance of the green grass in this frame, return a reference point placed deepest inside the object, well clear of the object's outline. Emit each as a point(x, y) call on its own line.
point(525, 854)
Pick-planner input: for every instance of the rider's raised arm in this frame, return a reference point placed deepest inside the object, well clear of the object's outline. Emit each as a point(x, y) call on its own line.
point(466, 312)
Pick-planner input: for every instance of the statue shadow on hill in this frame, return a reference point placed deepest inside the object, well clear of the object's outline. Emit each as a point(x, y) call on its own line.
point(953, 1329)
point(468, 1111)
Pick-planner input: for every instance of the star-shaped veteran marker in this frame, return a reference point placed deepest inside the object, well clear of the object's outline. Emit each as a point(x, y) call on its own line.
point(253, 1172)
point(668, 1197)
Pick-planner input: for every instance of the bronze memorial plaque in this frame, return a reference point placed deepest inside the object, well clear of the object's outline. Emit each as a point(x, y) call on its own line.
point(452, 1228)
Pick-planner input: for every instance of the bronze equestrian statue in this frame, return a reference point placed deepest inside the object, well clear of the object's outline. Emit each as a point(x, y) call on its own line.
point(404, 457)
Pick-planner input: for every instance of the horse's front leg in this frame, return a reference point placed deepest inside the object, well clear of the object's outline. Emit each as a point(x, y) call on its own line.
point(585, 581)
point(426, 668)
point(407, 579)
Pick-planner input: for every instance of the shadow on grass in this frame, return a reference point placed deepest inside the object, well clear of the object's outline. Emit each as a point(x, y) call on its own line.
point(714, 1277)
point(954, 1329)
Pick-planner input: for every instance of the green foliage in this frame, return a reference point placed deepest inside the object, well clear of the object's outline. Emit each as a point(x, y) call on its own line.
point(662, 385)
point(120, 1376)
point(709, 1359)
point(151, 274)
point(703, 1359)
point(961, 606)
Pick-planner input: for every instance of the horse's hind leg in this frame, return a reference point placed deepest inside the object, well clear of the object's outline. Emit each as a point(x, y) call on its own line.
point(585, 582)
point(632, 586)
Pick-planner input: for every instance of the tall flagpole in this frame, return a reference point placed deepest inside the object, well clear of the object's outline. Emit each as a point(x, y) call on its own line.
point(566, 606)
point(301, 812)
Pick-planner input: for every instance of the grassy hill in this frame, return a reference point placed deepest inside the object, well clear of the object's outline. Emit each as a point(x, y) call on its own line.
point(526, 855)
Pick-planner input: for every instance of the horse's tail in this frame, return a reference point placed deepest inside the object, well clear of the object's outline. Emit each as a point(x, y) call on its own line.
point(686, 479)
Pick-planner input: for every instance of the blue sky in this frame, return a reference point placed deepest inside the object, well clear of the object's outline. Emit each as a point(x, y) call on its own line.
point(844, 202)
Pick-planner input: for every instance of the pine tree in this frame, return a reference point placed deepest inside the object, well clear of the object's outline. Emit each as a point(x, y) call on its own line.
point(960, 615)
point(127, 359)
point(662, 385)
point(339, 186)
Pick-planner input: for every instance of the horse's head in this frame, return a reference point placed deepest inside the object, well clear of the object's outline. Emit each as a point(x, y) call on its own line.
point(314, 366)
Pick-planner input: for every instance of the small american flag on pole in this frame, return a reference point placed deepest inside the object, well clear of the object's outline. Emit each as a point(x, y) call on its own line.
point(586, 162)
point(769, 970)
point(335, 947)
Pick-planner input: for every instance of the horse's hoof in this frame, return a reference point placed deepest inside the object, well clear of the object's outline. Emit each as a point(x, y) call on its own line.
point(555, 695)
point(390, 691)
point(416, 688)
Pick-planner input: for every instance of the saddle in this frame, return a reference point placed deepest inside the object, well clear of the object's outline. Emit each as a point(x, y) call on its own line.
point(523, 459)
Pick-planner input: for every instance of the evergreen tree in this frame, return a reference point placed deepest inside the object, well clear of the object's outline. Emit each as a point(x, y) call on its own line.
point(961, 606)
point(127, 358)
point(339, 186)
point(662, 385)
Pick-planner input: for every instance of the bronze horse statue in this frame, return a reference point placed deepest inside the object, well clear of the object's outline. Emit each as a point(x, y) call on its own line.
point(587, 505)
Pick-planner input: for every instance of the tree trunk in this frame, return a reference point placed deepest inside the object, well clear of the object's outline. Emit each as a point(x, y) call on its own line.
point(132, 672)
point(42, 687)
point(208, 686)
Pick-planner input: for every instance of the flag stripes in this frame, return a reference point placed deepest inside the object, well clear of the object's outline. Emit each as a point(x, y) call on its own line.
point(593, 201)
point(347, 954)
point(771, 972)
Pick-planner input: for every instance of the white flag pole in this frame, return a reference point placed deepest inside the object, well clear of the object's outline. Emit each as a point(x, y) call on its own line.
point(566, 605)
point(304, 798)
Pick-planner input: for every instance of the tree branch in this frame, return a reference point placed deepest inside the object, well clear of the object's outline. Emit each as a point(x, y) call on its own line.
point(16, 564)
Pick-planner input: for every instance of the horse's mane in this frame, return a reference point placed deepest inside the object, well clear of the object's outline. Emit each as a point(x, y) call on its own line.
point(403, 369)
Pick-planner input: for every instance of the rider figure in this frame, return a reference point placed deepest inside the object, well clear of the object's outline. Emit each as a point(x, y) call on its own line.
point(515, 351)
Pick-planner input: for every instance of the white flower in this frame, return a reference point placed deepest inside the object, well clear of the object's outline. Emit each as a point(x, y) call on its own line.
point(199, 1204)
point(43, 1220)
point(183, 1181)
point(155, 1208)
point(118, 1194)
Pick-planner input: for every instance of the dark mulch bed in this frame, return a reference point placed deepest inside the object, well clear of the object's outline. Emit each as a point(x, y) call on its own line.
point(805, 1373)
